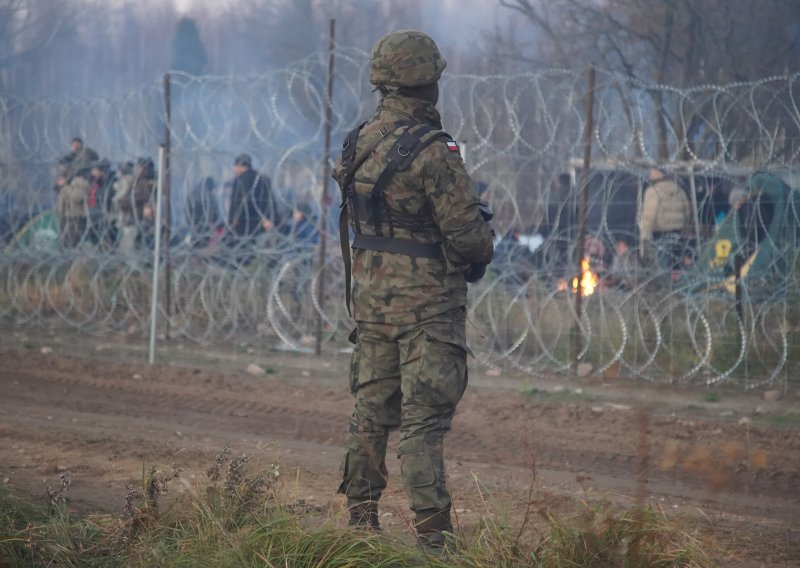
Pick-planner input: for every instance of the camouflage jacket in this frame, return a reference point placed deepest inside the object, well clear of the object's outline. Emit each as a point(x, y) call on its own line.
point(83, 159)
point(398, 289)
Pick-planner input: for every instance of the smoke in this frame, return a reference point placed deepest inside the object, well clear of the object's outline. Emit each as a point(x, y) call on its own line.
point(97, 70)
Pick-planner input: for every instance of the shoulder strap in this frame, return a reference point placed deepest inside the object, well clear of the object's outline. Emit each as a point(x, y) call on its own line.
point(352, 162)
point(401, 155)
point(348, 161)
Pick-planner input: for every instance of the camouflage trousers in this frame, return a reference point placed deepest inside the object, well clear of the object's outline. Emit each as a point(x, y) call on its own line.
point(411, 378)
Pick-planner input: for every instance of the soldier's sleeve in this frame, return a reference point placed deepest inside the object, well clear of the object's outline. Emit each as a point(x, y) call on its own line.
point(454, 201)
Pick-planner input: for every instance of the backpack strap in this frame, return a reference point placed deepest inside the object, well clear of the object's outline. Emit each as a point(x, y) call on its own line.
point(401, 155)
point(352, 161)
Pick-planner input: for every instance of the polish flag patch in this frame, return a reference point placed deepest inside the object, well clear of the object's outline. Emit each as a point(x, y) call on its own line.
point(452, 146)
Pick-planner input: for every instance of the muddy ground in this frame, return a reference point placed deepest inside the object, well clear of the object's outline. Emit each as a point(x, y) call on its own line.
point(727, 464)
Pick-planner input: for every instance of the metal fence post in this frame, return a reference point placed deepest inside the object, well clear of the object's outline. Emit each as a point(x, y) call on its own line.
point(577, 334)
point(326, 174)
point(156, 257)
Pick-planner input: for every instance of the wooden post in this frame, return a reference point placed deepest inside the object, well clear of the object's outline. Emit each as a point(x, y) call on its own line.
point(167, 202)
point(577, 336)
point(326, 174)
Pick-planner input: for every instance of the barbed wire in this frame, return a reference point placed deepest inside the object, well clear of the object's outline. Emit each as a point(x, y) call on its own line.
point(521, 134)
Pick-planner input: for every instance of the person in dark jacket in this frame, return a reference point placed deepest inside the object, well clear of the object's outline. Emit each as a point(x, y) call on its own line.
point(302, 231)
point(80, 156)
point(252, 207)
point(203, 213)
point(99, 203)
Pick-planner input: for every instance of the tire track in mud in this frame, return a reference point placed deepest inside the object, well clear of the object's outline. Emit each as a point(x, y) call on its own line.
point(493, 429)
point(151, 402)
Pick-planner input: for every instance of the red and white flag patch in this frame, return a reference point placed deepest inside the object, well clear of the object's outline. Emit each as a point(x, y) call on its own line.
point(452, 146)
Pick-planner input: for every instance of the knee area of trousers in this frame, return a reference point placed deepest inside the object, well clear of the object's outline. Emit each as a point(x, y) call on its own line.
point(430, 443)
point(362, 444)
point(424, 481)
point(366, 426)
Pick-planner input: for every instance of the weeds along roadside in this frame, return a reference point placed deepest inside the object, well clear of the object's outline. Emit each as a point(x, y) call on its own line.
point(238, 518)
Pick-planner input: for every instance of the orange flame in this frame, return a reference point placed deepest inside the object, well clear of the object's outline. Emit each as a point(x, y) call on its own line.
point(589, 279)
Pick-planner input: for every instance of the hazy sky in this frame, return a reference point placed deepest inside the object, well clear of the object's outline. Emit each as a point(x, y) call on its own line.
point(465, 17)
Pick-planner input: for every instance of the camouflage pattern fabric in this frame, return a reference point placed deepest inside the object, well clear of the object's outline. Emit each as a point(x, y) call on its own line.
point(437, 191)
point(408, 377)
point(406, 58)
point(83, 159)
point(409, 367)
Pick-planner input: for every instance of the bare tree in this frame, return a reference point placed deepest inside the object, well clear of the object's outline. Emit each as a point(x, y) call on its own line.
point(28, 30)
point(680, 43)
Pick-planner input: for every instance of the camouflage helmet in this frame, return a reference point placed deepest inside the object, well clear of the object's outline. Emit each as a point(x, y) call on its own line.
point(406, 58)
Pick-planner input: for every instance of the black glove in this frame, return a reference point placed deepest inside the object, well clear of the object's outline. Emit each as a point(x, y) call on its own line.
point(475, 272)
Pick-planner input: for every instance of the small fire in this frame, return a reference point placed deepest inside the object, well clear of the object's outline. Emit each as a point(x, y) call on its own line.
point(589, 281)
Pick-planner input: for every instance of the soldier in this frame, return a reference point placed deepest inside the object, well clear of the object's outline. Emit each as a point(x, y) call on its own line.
point(80, 156)
point(419, 237)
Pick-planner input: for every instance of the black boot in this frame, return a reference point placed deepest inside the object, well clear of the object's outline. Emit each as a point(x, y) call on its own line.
point(435, 531)
point(365, 516)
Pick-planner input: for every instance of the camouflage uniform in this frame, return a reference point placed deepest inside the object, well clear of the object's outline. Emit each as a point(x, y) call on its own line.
point(409, 367)
point(81, 159)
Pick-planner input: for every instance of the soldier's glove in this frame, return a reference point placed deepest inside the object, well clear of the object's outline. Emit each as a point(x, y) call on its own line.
point(475, 272)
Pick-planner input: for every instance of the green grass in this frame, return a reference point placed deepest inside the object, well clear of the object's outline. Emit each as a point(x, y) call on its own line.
point(711, 396)
point(788, 420)
point(237, 520)
point(599, 537)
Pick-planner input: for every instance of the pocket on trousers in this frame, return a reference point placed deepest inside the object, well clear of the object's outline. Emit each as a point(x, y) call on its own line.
point(442, 373)
point(418, 470)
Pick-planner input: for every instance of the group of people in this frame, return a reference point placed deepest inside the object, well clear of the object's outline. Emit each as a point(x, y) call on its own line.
point(420, 235)
point(101, 206)
point(657, 235)
point(114, 209)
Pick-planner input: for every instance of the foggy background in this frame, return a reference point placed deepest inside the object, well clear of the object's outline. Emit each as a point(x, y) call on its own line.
point(89, 48)
point(248, 76)
point(93, 48)
point(711, 82)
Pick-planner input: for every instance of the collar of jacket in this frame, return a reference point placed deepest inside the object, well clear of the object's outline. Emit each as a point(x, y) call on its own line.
point(416, 109)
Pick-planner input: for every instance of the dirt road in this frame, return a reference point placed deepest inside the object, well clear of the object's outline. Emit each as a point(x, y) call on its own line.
point(103, 420)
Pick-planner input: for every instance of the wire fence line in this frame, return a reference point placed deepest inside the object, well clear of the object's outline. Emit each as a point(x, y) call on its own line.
point(725, 314)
